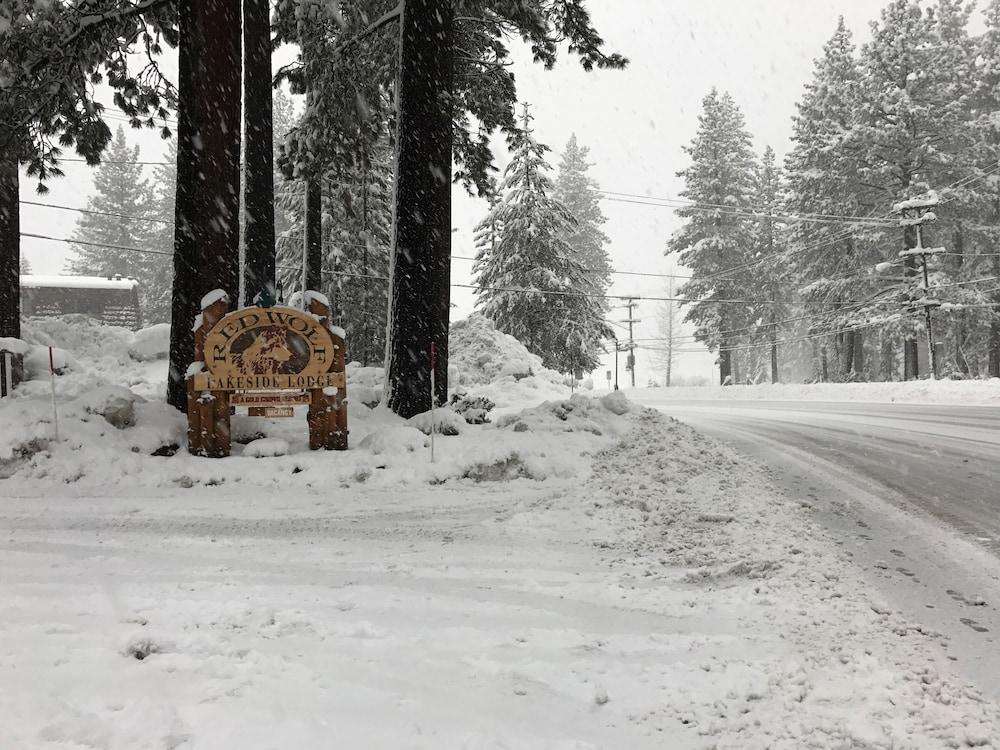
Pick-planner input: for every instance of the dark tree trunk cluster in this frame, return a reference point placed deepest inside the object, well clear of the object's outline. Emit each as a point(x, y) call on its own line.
point(419, 300)
point(206, 234)
point(258, 239)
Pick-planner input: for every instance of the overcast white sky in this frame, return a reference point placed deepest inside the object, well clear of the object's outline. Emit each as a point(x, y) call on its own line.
point(634, 121)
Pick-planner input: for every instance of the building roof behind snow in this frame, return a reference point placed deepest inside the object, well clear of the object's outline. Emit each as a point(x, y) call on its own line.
point(78, 282)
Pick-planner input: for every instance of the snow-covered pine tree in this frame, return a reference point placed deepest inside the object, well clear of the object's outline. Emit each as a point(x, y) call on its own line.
point(161, 238)
point(531, 283)
point(121, 193)
point(711, 242)
point(910, 135)
point(579, 193)
point(356, 218)
point(768, 240)
point(960, 226)
point(986, 106)
point(284, 120)
point(830, 260)
point(25, 266)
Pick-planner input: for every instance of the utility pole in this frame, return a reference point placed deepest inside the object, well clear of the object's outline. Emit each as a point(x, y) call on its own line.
point(915, 213)
point(631, 303)
point(670, 329)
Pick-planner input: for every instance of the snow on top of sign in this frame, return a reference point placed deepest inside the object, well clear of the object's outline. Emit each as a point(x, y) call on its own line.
point(331, 390)
point(295, 301)
point(311, 296)
point(925, 201)
point(199, 319)
point(212, 297)
point(15, 346)
point(338, 331)
point(194, 368)
point(77, 282)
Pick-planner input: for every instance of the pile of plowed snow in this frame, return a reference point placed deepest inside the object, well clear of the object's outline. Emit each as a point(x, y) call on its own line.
point(482, 361)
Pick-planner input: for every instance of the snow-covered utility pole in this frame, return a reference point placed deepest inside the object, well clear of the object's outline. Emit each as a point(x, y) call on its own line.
point(631, 303)
point(914, 214)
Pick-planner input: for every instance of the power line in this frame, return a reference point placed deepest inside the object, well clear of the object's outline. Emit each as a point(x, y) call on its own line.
point(96, 213)
point(117, 161)
point(460, 286)
point(674, 204)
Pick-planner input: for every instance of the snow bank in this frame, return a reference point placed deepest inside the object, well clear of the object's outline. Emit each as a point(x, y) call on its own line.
point(111, 412)
point(984, 392)
point(498, 366)
point(151, 343)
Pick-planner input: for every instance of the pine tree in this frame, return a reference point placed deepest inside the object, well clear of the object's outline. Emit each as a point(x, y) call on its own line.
point(25, 266)
point(768, 236)
point(579, 193)
point(532, 284)
point(161, 239)
point(828, 259)
point(356, 222)
point(52, 58)
point(712, 242)
point(986, 105)
point(912, 135)
point(121, 194)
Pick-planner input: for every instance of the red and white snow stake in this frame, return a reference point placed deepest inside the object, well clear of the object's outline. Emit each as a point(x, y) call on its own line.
point(433, 367)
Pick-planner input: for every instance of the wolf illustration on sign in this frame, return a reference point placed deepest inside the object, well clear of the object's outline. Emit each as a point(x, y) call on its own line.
point(266, 354)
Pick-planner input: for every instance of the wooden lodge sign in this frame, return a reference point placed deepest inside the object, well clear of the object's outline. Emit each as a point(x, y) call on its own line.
point(269, 359)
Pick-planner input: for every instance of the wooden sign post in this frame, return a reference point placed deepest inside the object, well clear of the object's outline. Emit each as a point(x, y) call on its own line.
point(269, 359)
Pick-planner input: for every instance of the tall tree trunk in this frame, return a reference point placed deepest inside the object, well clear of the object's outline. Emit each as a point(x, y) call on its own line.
point(825, 363)
point(911, 367)
point(847, 355)
point(725, 364)
point(420, 296)
point(888, 362)
point(859, 354)
point(313, 228)
point(774, 358)
point(994, 341)
point(259, 149)
point(206, 214)
point(10, 244)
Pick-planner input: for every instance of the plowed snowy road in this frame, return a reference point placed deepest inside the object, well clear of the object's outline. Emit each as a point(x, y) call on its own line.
point(912, 491)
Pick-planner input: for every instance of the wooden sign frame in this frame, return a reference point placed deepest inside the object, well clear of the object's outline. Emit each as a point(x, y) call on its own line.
point(267, 359)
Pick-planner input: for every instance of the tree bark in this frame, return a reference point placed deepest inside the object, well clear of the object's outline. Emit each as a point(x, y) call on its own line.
point(258, 126)
point(420, 296)
point(911, 367)
point(859, 354)
point(994, 345)
point(847, 355)
point(10, 245)
point(206, 214)
point(313, 229)
point(725, 364)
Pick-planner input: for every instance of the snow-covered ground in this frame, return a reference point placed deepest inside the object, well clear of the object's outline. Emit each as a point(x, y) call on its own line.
point(582, 574)
point(986, 392)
